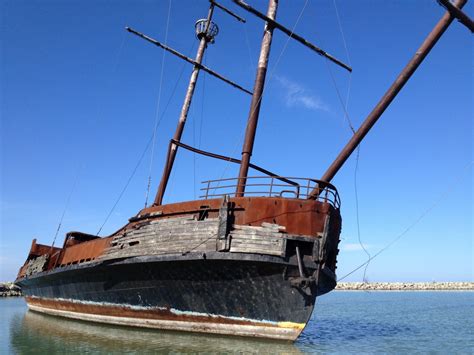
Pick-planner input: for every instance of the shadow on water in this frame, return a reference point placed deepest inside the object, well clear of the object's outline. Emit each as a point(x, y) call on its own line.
point(38, 333)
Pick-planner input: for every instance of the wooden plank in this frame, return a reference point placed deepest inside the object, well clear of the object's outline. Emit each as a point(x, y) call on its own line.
point(256, 251)
point(170, 237)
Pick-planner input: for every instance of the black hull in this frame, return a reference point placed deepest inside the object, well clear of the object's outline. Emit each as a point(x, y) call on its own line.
point(196, 293)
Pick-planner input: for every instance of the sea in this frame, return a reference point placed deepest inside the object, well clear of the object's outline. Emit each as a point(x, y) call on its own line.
point(343, 322)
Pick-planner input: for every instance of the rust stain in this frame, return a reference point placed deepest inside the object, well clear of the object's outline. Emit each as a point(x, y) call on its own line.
point(298, 216)
point(124, 311)
point(85, 251)
point(304, 217)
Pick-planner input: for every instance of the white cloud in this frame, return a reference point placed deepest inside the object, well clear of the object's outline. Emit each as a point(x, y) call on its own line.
point(296, 95)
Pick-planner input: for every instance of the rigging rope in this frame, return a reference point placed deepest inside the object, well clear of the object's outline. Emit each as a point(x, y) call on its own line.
point(249, 49)
point(441, 197)
point(76, 179)
point(173, 91)
point(202, 105)
point(81, 166)
point(344, 104)
point(356, 169)
point(126, 185)
point(157, 113)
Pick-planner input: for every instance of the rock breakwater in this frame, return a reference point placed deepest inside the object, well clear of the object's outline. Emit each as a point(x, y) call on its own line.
point(405, 286)
point(9, 289)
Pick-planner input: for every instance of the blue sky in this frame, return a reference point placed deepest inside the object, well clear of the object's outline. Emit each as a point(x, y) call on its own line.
point(79, 97)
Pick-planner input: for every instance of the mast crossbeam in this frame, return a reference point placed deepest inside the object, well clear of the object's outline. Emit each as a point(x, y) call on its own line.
point(187, 59)
point(291, 34)
point(226, 10)
point(458, 13)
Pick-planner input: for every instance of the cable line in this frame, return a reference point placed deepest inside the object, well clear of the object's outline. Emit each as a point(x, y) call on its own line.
point(344, 104)
point(81, 166)
point(416, 221)
point(76, 179)
point(173, 91)
point(157, 114)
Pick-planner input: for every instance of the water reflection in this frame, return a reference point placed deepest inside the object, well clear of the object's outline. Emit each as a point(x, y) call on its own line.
point(38, 333)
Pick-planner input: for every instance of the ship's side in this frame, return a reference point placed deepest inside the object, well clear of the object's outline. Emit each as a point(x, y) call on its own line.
point(249, 266)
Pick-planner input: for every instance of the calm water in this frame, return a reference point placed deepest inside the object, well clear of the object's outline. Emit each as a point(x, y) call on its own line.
point(393, 322)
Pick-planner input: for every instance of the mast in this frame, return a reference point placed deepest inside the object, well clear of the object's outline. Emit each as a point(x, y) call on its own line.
point(256, 98)
point(270, 25)
point(391, 93)
point(206, 31)
point(204, 38)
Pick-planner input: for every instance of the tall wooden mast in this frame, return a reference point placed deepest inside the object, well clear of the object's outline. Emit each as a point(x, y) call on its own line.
point(205, 36)
point(256, 97)
point(270, 25)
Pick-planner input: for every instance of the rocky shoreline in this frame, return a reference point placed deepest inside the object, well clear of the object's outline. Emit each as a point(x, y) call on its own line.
point(9, 289)
point(405, 286)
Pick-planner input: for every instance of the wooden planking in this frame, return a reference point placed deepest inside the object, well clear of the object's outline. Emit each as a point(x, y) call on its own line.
point(266, 239)
point(36, 265)
point(184, 234)
point(165, 236)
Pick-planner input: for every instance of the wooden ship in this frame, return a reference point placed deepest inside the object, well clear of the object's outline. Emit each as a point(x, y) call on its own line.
point(249, 258)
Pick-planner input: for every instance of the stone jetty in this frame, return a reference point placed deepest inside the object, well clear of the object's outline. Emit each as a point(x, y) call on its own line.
point(405, 286)
point(9, 289)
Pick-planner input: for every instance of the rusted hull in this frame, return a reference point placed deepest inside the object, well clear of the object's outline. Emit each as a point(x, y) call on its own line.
point(203, 324)
point(252, 296)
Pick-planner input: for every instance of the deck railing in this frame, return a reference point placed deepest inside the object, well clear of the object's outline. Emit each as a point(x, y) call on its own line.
point(273, 186)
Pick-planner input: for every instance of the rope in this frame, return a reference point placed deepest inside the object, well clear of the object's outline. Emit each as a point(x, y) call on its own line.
point(416, 221)
point(249, 49)
point(173, 91)
point(344, 104)
point(201, 119)
point(81, 166)
point(356, 193)
point(76, 179)
point(346, 114)
point(202, 105)
point(126, 185)
point(193, 122)
point(157, 113)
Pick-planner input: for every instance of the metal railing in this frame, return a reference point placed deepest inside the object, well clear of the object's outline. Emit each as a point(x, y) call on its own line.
point(272, 186)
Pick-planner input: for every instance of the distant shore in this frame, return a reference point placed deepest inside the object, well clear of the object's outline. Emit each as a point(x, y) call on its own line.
point(9, 289)
point(405, 286)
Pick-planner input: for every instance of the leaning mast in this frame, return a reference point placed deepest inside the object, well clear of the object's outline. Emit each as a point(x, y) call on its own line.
point(454, 11)
point(206, 33)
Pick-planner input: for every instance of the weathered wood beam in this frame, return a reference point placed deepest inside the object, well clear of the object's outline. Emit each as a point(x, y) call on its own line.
point(291, 34)
point(456, 12)
point(187, 59)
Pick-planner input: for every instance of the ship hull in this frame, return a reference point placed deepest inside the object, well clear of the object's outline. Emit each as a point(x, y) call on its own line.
point(246, 295)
